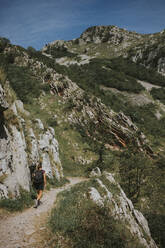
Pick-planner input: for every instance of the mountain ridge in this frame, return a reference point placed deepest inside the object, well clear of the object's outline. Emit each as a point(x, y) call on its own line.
point(91, 110)
point(112, 41)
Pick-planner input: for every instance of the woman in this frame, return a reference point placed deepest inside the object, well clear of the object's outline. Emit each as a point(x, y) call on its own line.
point(39, 182)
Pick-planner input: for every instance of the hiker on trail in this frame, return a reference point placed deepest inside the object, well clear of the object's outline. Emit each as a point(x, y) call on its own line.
point(39, 182)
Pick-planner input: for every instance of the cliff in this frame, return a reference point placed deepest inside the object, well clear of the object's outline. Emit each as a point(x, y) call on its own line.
point(100, 215)
point(24, 142)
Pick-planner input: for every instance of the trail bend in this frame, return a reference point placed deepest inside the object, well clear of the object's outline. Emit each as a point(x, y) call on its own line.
point(27, 228)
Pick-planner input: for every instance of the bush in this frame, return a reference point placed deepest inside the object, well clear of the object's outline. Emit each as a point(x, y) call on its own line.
point(23, 201)
point(56, 183)
point(158, 94)
point(134, 169)
point(3, 43)
point(11, 118)
point(146, 120)
point(3, 76)
point(157, 226)
point(93, 75)
point(136, 70)
point(58, 52)
point(83, 222)
point(26, 85)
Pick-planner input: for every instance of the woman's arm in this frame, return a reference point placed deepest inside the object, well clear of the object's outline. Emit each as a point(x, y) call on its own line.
point(44, 179)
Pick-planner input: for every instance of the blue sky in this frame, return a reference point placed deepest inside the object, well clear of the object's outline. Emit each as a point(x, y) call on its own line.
point(37, 22)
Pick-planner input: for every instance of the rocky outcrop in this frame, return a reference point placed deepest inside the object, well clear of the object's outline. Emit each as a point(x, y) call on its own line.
point(23, 143)
point(85, 112)
point(56, 43)
point(113, 35)
point(107, 193)
point(161, 65)
point(14, 172)
point(150, 52)
point(49, 152)
point(146, 49)
point(89, 114)
point(3, 103)
point(109, 34)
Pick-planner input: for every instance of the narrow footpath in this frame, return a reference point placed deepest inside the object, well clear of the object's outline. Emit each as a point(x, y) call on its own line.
point(28, 228)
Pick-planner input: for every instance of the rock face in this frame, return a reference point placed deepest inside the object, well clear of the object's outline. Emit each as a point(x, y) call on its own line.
point(23, 143)
point(149, 56)
point(90, 115)
point(146, 49)
point(113, 35)
point(108, 194)
point(14, 171)
point(3, 103)
point(86, 113)
point(110, 34)
point(48, 148)
point(150, 52)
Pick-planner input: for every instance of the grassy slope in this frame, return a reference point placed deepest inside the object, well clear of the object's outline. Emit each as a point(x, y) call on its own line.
point(72, 145)
point(74, 214)
point(145, 117)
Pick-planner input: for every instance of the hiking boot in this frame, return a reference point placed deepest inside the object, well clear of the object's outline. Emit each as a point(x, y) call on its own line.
point(39, 202)
point(36, 204)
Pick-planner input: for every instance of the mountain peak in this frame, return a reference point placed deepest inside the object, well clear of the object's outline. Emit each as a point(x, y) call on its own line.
point(110, 33)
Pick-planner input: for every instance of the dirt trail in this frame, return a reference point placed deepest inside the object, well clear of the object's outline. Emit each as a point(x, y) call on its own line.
point(27, 228)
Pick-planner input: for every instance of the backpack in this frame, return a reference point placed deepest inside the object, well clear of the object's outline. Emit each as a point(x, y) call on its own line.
point(38, 177)
point(32, 169)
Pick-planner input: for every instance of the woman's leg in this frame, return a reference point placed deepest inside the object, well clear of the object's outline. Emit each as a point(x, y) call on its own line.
point(39, 194)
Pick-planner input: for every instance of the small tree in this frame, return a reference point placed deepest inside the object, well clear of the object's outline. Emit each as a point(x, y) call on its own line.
point(133, 170)
point(3, 43)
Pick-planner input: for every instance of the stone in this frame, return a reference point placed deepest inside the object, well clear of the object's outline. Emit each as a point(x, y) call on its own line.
point(95, 172)
point(122, 210)
point(39, 124)
point(3, 103)
point(3, 191)
point(20, 147)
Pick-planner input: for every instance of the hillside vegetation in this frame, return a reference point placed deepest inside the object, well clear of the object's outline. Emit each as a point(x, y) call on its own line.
point(99, 120)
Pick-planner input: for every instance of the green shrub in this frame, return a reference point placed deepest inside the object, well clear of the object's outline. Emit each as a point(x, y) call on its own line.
point(3, 62)
point(23, 201)
point(26, 85)
point(3, 43)
point(158, 94)
point(3, 76)
point(156, 224)
point(11, 118)
point(83, 222)
point(58, 52)
point(136, 70)
point(145, 118)
point(55, 183)
point(134, 169)
point(91, 76)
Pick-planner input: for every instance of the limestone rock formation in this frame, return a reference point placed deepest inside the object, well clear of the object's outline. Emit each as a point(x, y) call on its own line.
point(23, 143)
point(146, 49)
point(110, 34)
point(96, 118)
point(108, 194)
point(86, 113)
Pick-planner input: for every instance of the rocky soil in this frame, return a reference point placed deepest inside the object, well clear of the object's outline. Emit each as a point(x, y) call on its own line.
point(29, 228)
